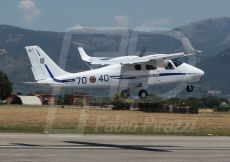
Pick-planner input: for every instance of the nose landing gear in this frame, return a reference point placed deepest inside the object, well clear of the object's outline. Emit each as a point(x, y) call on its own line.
point(189, 88)
point(126, 94)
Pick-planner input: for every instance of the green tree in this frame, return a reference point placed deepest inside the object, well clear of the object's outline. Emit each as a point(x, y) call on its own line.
point(174, 101)
point(212, 101)
point(194, 102)
point(5, 86)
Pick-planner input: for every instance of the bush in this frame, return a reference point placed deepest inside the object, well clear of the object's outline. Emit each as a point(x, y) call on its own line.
point(5, 86)
point(120, 103)
point(151, 107)
point(212, 101)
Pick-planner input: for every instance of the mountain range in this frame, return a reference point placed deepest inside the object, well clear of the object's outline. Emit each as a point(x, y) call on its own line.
point(212, 36)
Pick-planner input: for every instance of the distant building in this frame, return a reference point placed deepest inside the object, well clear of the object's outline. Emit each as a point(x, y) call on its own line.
point(47, 99)
point(23, 100)
point(214, 92)
point(40, 98)
point(78, 98)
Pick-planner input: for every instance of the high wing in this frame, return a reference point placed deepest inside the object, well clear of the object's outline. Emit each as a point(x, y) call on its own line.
point(189, 50)
point(87, 58)
point(104, 60)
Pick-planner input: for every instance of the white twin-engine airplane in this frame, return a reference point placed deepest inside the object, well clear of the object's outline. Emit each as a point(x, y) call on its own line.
point(124, 72)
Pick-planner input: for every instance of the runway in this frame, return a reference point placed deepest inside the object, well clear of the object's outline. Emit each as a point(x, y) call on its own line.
point(119, 148)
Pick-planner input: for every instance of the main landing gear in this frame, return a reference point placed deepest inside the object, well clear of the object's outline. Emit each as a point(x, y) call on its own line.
point(142, 93)
point(189, 88)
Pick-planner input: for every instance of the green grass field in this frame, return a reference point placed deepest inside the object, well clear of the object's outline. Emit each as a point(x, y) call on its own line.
point(93, 121)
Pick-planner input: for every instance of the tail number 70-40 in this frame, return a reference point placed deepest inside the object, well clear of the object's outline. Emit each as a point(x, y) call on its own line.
point(84, 80)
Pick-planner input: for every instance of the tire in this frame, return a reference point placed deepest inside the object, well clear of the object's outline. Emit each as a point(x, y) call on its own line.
point(189, 88)
point(142, 94)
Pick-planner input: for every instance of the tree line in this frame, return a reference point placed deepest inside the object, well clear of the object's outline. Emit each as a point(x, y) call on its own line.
point(157, 102)
point(6, 86)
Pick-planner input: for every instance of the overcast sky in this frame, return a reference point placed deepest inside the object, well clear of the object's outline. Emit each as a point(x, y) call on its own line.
point(59, 15)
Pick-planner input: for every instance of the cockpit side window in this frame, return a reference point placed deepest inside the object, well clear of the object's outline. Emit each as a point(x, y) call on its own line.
point(169, 66)
point(177, 62)
point(137, 67)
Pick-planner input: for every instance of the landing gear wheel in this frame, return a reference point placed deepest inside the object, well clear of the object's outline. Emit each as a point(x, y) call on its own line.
point(125, 93)
point(189, 88)
point(142, 94)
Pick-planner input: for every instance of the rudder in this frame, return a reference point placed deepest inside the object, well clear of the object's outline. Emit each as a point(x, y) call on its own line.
point(43, 67)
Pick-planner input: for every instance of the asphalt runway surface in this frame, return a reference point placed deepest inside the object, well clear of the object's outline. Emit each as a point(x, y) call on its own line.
point(109, 148)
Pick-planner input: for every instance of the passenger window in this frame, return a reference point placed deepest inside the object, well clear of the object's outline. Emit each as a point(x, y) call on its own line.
point(150, 67)
point(169, 66)
point(137, 67)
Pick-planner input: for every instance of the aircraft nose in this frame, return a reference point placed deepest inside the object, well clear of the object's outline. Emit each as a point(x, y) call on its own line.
point(200, 73)
point(196, 73)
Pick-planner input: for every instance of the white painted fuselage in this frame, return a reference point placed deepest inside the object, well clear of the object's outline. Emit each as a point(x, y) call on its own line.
point(128, 75)
point(113, 75)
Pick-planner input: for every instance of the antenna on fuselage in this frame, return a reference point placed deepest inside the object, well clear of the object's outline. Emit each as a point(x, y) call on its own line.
point(142, 52)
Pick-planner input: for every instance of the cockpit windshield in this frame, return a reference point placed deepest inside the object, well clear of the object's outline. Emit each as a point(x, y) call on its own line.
point(176, 62)
point(169, 66)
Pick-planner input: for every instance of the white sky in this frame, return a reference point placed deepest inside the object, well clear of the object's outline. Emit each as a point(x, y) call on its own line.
point(58, 15)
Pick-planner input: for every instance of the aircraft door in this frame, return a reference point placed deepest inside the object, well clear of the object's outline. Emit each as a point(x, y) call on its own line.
point(153, 73)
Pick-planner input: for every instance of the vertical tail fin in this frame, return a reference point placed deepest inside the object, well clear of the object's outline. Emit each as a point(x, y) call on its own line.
point(43, 67)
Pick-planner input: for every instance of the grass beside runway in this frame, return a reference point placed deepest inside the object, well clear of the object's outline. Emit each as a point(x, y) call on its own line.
point(91, 121)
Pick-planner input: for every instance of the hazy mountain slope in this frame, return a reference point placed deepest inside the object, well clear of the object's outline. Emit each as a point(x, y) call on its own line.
point(14, 60)
point(211, 36)
point(217, 73)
